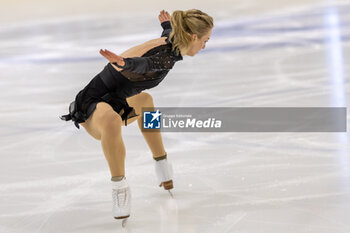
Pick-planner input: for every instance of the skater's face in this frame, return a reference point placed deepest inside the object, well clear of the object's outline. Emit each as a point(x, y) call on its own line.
point(198, 43)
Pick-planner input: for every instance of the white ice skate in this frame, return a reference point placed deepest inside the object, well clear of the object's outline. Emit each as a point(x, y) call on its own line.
point(164, 173)
point(121, 196)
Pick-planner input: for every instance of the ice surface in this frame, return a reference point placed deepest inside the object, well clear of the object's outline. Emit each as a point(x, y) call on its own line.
point(54, 178)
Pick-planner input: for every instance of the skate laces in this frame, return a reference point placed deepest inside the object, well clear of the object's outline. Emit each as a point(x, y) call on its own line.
point(120, 196)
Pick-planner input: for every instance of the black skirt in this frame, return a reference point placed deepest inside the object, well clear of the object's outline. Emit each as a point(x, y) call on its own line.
point(87, 99)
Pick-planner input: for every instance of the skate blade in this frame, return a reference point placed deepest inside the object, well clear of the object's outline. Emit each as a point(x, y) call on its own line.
point(124, 222)
point(171, 194)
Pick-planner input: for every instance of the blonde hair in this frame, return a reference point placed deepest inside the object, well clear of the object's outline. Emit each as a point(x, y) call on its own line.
point(186, 23)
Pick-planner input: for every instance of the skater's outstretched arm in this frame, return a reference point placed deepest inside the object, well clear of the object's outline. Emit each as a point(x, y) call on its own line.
point(112, 57)
point(140, 64)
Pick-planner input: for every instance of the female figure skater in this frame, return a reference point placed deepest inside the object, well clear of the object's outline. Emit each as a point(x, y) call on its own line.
point(114, 97)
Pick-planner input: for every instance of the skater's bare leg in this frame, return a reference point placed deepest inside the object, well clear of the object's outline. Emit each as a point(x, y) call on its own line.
point(153, 139)
point(105, 125)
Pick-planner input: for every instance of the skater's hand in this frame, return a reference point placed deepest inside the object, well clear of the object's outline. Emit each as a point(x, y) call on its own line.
point(112, 57)
point(163, 16)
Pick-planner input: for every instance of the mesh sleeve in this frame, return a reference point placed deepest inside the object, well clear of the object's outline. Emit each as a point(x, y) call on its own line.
point(143, 65)
point(166, 28)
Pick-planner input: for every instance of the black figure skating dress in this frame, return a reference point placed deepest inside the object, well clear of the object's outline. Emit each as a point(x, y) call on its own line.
point(113, 87)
